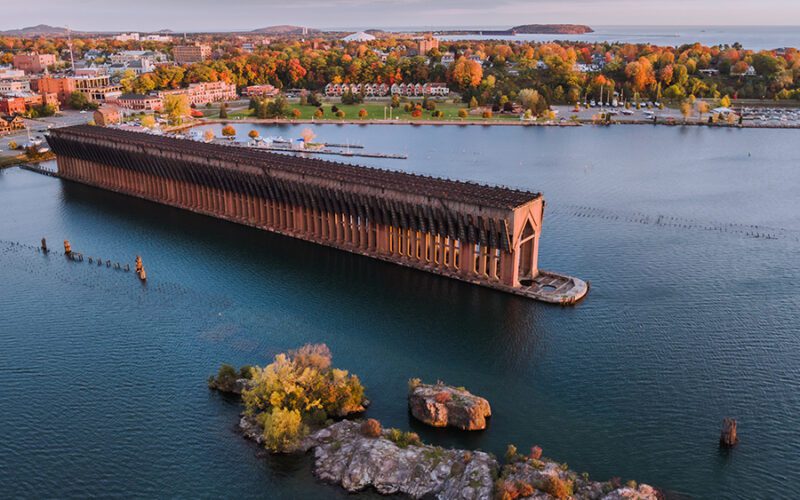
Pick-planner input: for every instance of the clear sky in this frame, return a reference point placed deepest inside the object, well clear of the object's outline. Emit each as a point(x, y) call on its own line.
point(222, 15)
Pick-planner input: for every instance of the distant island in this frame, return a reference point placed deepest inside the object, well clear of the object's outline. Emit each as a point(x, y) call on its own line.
point(527, 29)
point(284, 29)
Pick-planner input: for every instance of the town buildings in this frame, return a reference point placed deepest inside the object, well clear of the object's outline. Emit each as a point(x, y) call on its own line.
point(32, 63)
point(140, 102)
point(435, 89)
point(12, 86)
point(187, 54)
point(127, 37)
point(205, 92)
point(427, 43)
point(23, 102)
point(96, 88)
point(106, 115)
point(261, 91)
point(9, 123)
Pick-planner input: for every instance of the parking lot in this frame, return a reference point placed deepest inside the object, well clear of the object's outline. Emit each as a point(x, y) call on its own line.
point(40, 125)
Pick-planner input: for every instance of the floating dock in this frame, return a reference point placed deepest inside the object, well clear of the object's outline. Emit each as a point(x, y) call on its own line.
point(485, 235)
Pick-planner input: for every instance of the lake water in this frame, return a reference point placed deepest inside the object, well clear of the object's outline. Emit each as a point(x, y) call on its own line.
point(751, 37)
point(689, 236)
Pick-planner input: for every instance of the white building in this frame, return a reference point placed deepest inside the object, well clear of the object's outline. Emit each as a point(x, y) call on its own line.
point(127, 37)
point(157, 38)
point(359, 37)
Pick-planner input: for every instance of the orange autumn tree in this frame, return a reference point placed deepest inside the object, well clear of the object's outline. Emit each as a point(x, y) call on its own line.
point(466, 73)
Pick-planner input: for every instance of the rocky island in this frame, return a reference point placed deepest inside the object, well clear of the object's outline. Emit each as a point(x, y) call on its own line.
point(526, 29)
point(441, 405)
point(299, 404)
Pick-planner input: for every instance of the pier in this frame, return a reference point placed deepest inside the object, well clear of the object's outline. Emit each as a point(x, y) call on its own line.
point(484, 235)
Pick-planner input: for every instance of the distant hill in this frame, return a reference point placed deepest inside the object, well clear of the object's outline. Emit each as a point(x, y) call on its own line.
point(39, 30)
point(283, 29)
point(552, 29)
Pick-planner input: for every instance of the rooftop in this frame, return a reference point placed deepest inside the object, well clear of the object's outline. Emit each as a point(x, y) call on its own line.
point(347, 174)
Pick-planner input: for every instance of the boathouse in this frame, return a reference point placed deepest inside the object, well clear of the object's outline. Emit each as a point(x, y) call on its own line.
point(485, 235)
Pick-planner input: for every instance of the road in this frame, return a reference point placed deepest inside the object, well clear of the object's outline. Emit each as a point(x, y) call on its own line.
point(40, 125)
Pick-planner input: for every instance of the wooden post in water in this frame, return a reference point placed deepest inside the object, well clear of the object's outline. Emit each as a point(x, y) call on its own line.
point(44, 245)
point(67, 247)
point(140, 269)
point(728, 437)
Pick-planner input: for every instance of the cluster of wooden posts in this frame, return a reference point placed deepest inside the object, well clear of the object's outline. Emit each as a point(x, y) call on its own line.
point(78, 257)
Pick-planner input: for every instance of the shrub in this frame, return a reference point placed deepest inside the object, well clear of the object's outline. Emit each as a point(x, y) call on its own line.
point(296, 113)
point(487, 114)
point(511, 453)
point(404, 439)
point(536, 453)
point(317, 356)
point(462, 113)
point(413, 383)
point(319, 113)
point(283, 429)
point(340, 114)
point(371, 428)
point(524, 489)
point(314, 100)
point(334, 109)
point(12, 145)
point(362, 113)
point(557, 487)
point(225, 379)
point(416, 113)
point(228, 131)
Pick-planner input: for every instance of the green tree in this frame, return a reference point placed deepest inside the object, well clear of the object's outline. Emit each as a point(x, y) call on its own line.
point(176, 106)
point(78, 100)
point(147, 121)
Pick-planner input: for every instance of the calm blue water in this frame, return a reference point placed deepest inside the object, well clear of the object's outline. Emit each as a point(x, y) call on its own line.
point(751, 37)
point(690, 237)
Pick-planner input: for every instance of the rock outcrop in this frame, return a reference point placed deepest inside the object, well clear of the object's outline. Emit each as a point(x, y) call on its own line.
point(545, 479)
point(442, 405)
point(344, 456)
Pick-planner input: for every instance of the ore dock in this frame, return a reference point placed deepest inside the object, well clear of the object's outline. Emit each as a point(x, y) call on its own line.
point(484, 235)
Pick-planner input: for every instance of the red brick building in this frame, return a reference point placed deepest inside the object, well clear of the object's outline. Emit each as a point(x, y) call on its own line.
point(33, 62)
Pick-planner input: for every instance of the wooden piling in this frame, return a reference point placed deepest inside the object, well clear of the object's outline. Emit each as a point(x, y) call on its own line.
point(44, 245)
point(67, 247)
point(728, 437)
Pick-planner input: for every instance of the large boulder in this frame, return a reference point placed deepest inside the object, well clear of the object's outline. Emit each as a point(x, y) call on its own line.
point(441, 405)
point(344, 455)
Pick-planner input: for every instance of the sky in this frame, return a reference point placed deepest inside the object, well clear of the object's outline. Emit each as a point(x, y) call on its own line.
point(235, 15)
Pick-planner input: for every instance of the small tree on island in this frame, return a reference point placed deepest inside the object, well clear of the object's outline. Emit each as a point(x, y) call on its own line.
point(253, 134)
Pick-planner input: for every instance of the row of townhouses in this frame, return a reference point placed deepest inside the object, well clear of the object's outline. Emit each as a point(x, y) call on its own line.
point(383, 89)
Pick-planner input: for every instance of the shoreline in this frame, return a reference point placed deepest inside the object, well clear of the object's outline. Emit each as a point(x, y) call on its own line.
point(474, 123)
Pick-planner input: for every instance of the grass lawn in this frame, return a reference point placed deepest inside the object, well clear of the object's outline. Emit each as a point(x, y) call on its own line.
point(375, 111)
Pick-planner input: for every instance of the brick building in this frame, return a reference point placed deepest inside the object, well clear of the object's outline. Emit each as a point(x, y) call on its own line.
point(34, 62)
point(187, 54)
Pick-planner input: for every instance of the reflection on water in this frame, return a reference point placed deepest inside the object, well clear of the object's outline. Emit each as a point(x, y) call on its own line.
point(691, 318)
